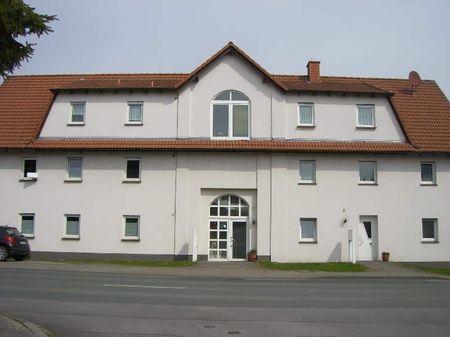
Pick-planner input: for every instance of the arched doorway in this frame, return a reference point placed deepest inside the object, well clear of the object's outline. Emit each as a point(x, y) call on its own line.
point(228, 227)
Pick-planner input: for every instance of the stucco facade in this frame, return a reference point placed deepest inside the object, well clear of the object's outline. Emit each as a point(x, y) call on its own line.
point(176, 189)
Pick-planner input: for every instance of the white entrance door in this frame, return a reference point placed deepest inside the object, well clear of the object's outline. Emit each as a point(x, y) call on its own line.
point(227, 240)
point(367, 238)
point(228, 220)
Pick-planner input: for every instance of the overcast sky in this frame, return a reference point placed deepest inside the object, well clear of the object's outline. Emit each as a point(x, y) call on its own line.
point(382, 38)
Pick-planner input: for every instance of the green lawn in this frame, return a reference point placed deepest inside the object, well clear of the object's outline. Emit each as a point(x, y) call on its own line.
point(440, 271)
point(329, 266)
point(130, 263)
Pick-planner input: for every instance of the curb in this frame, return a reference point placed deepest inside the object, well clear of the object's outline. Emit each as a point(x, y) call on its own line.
point(35, 329)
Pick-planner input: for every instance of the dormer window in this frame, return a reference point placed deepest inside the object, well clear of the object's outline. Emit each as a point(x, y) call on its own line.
point(366, 116)
point(78, 111)
point(306, 114)
point(135, 112)
point(230, 116)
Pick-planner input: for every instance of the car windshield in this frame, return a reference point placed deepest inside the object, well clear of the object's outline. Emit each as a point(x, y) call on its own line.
point(13, 231)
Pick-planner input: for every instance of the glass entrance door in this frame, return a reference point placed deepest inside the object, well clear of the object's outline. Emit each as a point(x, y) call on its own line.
point(227, 240)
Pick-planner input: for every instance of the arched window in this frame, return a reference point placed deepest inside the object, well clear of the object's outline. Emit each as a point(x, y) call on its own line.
point(230, 115)
point(227, 206)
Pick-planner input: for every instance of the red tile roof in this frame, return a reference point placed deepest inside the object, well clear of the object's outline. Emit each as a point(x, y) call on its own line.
point(424, 114)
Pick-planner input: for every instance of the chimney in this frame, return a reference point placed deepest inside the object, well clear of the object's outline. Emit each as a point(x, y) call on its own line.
point(313, 71)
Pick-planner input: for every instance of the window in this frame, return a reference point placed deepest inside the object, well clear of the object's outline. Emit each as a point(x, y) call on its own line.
point(228, 205)
point(74, 166)
point(367, 172)
point(307, 171)
point(308, 230)
point(305, 114)
point(72, 227)
point(427, 173)
point(133, 170)
point(29, 169)
point(78, 110)
point(27, 224)
point(131, 230)
point(366, 116)
point(429, 230)
point(230, 115)
point(135, 112)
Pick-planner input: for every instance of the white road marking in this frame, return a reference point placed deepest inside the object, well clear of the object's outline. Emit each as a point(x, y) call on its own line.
point(139, 286)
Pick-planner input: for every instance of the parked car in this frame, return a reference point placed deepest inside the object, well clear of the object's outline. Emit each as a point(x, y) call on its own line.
point(13, 244)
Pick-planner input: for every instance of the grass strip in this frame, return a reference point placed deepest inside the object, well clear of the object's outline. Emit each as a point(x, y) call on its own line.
point(327, 266)
point(127, 263)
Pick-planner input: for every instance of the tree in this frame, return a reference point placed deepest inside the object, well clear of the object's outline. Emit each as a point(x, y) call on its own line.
point(17, 19)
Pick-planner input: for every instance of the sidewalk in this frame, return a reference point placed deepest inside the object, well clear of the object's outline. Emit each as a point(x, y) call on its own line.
point(12, 326)
point(228, 270)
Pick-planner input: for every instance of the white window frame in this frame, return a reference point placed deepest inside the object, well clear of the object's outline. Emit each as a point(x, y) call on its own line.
point(26, 178)
point(29, 236)
point(299, 122)
point(308, 240)
point(130, 122)
point(124, 226)
point(132, 180)
point(71, 122)
point(307, 182)
point(73, 179)
point(68, 236)
point(375, 174)
point(433, 181)
point(362, 126)
point(230, 103)
point(436, 232)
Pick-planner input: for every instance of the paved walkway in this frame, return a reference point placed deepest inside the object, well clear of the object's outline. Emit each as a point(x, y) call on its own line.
point(231, 270)
point(12, 326)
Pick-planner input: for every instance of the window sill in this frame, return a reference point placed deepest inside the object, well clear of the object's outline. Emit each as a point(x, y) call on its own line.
point(307, 183)
point(73, 180)
point(362, 183)
point(130, 239)
point(431, 241)
point(134, 124)
point(75, 238)
point(306, 126)
point(76, 124)
point(24, 179)
point(131, 181)
point(28, 236)
point(365, 127)
point(427, 184)
point(311, 242)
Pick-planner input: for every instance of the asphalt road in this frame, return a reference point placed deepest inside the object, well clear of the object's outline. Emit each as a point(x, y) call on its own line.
point(97, 304)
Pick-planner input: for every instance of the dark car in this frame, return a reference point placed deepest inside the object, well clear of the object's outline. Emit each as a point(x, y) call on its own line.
point(13, 244)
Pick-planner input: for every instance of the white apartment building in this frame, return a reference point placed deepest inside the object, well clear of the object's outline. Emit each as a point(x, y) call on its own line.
point(228, 158)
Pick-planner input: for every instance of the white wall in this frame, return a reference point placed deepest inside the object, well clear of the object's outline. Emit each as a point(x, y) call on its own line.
point(398, 200)
point(269, 182)
point(336, 118)
point(106, 115)
point(101, 199)
point(187, 114)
